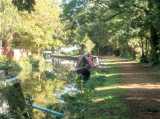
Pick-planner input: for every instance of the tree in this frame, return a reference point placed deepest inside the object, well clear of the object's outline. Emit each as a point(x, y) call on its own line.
point(116, 23)
point(23, 5)
point(34, 31)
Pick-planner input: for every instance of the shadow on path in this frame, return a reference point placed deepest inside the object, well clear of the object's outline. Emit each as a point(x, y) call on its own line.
point(143, 85)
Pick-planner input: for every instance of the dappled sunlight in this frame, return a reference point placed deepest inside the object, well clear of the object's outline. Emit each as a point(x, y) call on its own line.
point(141, 86)
point(40, 100)
point(81, 59)
point(130, 86)
point(107, 98)
point(116, 60)
point(119, 62)
point(134, 73)
point(142, 98)
point(106, 88)
point(112, 74)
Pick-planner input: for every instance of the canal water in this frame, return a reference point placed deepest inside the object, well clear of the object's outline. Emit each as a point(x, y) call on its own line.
point(63, 67)
point(69, 88)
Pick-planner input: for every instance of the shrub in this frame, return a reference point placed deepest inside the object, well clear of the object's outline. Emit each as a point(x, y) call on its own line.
point(35, 63)
point(9, 66)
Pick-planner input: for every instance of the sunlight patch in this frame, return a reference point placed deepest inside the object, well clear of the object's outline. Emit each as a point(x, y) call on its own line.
point(130, 86)
point(140, 86)
point(102, 99)
point(106, 88)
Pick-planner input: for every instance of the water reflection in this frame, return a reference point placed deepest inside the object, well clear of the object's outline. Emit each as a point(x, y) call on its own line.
point(4, 106)
point(43, 91)
point(70, 88)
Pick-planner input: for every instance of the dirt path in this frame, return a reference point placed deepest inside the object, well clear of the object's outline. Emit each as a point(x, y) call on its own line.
point(143, 85)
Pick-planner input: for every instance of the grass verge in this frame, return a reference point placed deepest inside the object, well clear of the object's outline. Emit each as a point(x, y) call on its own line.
point(103, 101)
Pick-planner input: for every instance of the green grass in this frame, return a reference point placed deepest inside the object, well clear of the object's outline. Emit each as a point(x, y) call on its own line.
point(108, 103)
point(103, 101)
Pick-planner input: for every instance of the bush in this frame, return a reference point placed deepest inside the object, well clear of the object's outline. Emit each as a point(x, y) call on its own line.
point(9, 66)
point(3, 62)
point(144, 59)
point(117, 52)
point(35, 63)
point(49, 75)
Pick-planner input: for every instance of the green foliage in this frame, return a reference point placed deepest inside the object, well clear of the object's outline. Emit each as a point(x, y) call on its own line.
point(24, 5)
point(39, 83)
point(10, 66)
point(88, 44)
point(33, 32)
point(3, 59)
point(49, 75)
point(115, 23)
point(94, 102)
point(16, 101)
point(34, 63)
point(9, 19)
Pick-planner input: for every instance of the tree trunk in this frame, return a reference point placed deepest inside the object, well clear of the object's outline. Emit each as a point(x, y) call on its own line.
point(147, 47)
point(142, 47)
point(154, 41)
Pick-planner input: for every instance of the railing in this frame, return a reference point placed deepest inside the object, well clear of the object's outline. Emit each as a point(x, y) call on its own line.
point(43, 109)
point(57, 59)
point(8, 82)
point(13, 97)
point(14, 80)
